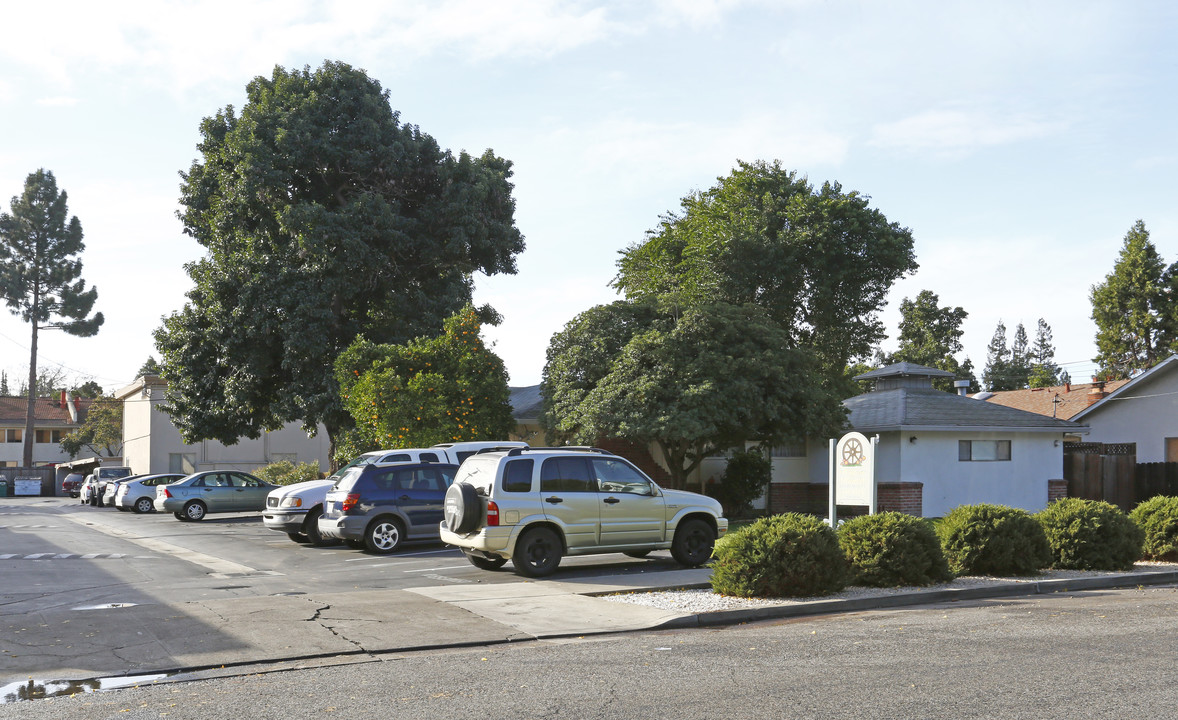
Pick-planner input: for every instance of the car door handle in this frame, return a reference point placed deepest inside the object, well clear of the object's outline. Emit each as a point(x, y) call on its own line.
point(404, 498)
point(553, 500)
point(612, 500)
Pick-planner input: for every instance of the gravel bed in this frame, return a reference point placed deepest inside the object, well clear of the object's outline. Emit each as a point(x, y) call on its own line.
point(689, 600)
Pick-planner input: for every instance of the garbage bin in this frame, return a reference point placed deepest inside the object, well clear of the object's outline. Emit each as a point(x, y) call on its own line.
point(3, 487)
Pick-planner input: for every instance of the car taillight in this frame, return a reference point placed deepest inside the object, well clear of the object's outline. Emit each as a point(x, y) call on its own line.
point(166, 493)
point(492, 514)
point(350, 502)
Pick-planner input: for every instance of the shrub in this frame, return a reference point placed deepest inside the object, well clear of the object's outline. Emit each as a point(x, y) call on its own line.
point(744, 480)
point(284, 472)
point(893, 549)
point(1090, 535)
point(1158, 519)
point(790, 555)
point(993, 540)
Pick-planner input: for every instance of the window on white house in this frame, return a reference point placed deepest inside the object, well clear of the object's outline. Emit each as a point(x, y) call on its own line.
point(983, 450)
point(13, 435)
point(49, 436)
point(789, 450)
point(182, 463)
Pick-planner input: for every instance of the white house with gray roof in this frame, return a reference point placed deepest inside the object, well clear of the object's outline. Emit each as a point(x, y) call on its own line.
point(961, 450)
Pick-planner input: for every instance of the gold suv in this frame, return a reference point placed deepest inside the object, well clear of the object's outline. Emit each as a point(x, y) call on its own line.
point(535, 505)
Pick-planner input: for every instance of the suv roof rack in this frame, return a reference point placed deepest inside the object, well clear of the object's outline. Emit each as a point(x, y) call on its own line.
point(563, 448)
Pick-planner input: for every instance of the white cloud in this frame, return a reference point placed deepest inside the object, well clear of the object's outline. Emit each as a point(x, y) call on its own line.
point(957, 133)
point(59, 101)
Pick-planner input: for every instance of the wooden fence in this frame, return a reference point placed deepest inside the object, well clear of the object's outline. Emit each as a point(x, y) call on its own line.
point(1159, 478)
point(1102, 471)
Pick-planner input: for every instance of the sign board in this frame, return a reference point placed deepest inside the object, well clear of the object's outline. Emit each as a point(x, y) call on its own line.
point(854, 458)
point(852, 473)
point(27, 486)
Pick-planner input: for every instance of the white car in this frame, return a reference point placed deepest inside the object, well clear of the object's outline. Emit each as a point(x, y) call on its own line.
point(138, 493)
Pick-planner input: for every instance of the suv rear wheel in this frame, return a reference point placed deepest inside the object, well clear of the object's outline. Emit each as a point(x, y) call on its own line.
point(693, 543)
point(537, 553)
point(384, 536)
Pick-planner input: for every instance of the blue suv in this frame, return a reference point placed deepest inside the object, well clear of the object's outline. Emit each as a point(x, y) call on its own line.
point(378, 507)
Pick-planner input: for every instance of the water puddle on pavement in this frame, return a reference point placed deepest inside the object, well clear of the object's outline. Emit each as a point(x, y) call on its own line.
point(33, 689)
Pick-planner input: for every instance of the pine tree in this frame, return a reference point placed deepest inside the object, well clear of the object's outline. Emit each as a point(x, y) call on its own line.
point(1020, 359)
point(1133, 311)
point(4, 391)
point(1044, 371)
point(40, 273)
point(997, 361)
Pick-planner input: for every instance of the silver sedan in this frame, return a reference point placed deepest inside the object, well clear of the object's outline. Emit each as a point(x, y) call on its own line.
point(212, 491)
point(138, 493)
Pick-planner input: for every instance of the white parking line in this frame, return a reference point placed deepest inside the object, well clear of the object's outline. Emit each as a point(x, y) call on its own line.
point(448, 567)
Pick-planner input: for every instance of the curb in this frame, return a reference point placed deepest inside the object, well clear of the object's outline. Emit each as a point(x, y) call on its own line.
point(924, 597)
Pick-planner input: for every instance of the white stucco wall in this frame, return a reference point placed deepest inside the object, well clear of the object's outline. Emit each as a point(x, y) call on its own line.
point(948, 482)
point(932, 460)
point(150, 439)
point(1145, 414)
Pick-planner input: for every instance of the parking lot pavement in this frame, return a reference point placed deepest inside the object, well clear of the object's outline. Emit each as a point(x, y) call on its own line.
point(325, 628)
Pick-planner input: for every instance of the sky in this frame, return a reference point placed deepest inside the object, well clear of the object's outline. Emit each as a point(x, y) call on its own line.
point(1018, 141)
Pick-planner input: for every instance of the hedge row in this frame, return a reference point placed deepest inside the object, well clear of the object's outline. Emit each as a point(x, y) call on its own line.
point(797, 555)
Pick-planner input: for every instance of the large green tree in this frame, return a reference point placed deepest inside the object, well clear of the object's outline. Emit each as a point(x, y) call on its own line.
point(102, 431)
point(448, 388)
point(324, 218)
point(930, 335)
point(819, 262)
point(1133, 309)
point(41, 274)
point(691, 381)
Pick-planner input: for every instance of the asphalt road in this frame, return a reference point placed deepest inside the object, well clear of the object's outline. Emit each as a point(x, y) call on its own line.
point(1107, 654)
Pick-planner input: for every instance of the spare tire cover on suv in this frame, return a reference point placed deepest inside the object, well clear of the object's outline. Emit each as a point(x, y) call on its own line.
point(462, 510)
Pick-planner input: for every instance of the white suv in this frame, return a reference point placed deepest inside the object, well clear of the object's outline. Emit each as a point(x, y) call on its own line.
point(534, 505)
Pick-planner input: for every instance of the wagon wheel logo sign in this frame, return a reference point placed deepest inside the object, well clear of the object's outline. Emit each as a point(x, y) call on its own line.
point(852, 453)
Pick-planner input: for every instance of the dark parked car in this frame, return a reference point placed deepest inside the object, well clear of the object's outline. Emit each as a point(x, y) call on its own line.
point(212, 491)
point(380, 506)
point(72, 485)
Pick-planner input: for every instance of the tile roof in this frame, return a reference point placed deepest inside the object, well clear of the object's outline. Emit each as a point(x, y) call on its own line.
point(913, 408)
point(47, 411)
point(1072, 398)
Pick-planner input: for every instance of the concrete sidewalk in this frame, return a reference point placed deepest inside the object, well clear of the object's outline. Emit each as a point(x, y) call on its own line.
point(228, 636)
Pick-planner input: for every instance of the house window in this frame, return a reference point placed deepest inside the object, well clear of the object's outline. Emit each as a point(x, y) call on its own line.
point(182, 463)
point(983, 450)
point(789, 450)
point(49, 436)
point(13, 435)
